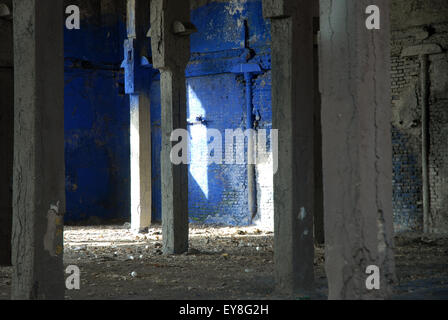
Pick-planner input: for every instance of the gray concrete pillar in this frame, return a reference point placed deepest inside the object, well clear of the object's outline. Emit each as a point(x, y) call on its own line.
point(319, 233)
point(293, 116)
point(171, 53)
point(39, 178)
point(138, 81)
point(141, 197)
point(357, 149)
point(6, 130)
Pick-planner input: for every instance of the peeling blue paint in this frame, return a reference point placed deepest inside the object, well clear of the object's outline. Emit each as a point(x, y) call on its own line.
point(97, 119)
point(97, 113)
point(218, 193)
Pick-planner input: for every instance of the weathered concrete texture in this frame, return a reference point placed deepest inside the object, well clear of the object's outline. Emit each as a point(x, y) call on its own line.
point(438, 70)
point(6, 137)
point(319, 232)
point(171, 53)
point(38, 188)
point(355, 87)
point(438, 143)
point(293, 116)
point(409, 13)
point(423, 52)
point(406, 135)
point(137, 85)
point(425, 30)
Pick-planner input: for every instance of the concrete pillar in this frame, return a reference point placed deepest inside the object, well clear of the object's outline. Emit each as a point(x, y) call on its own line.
point(140, 162)
point(138, 80)
point(357, 149)
point(6, 132)
point(319, 233)
point(293, 116)
point(39, 178)
point(171, 53)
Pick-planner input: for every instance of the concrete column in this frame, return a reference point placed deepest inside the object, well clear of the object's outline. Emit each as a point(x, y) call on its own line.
point(140, 162)
point(39, 178)
point(6, 131)
point(319, 233)
point(138, 80)
point(171, 53)
point(293, 116)
point(357, 149)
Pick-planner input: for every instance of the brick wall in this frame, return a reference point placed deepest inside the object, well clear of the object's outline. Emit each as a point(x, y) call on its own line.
point(406, 129)
point(218, 192)
point(438, 157)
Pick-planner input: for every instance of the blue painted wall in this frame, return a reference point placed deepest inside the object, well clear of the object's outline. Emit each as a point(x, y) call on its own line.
point(218, 193)
point(97, 118)
point(96, 121)
point(97, 113)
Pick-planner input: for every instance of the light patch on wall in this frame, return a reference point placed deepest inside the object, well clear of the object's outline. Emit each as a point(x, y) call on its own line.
point(198, 143)
point(265, 186)
point(302, 214)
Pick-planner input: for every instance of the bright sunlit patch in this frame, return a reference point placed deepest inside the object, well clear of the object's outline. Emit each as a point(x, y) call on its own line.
point(198, 142)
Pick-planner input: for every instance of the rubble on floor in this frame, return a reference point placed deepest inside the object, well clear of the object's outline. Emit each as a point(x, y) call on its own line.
point(222, 263)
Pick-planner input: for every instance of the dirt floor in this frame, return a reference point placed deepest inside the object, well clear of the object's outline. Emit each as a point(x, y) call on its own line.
point(223, 263)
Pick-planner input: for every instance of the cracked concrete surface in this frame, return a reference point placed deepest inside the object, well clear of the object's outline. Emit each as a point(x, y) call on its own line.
point(356, 148)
